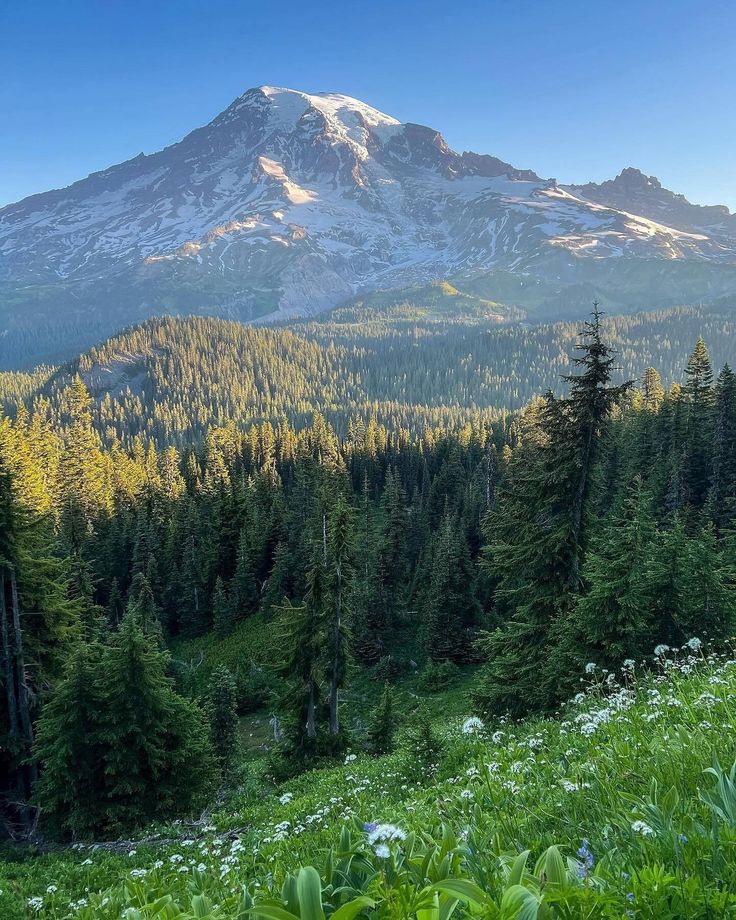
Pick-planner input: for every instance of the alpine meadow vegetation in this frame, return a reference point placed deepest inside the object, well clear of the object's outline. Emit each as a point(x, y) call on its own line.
point(372, 661)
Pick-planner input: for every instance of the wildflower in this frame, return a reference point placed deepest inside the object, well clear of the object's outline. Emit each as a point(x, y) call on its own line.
point(286, 798)
point(35, 903)
point(466, 794)
point(629, 664)
point(350, 758)
point(661, 650)
point(496, 737)
point(382, 851)
point(52, 889)
point(590, 667)
point(472, 725)
point(641, 827)
point(587, 860)
point(385, 832)
point(682, 838)
point(694, 644)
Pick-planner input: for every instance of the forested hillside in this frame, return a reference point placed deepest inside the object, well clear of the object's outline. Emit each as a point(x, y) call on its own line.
point(408, 367)
point(162, 604)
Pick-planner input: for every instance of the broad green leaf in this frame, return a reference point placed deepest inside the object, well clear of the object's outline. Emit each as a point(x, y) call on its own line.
point(289, 894)
point(351, 910)
point(430, 913)
point(518, 867)
point(309, 887)
point(272, 912)
point(518, 903)
point(552, 866)
point(201, 906)
point(463, 889)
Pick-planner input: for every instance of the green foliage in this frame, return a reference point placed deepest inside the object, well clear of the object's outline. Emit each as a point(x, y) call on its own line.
point(383, 724)
point(617, 805)
point(117, 745)
point(420, 745)
point(437, 676)
point(222, 715)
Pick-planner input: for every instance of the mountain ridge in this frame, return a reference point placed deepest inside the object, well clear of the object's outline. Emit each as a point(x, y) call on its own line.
point(289, 203)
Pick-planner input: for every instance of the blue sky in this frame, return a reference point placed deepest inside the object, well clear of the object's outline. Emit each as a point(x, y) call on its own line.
point(574, 90)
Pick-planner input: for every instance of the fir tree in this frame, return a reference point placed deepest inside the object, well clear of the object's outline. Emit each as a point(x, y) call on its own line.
point(147, 746)
point(223, 718)
point(613, 620)
point(338, 560)
point(540, 532)
point(222, 612)
point(382, 726)
point(698, 396)
point(72, 786)
point(38, 624)
point(449, 603)
point(723, 494)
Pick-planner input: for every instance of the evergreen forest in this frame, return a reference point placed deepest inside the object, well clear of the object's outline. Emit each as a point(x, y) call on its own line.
point(392, 621)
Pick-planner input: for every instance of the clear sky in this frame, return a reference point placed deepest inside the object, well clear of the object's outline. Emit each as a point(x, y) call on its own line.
point(575, 90)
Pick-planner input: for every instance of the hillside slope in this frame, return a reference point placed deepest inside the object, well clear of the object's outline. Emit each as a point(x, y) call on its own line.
point(409, 366)
point(620, 783)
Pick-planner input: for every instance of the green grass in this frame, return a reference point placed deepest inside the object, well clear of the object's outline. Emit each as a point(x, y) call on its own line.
point(622, 768)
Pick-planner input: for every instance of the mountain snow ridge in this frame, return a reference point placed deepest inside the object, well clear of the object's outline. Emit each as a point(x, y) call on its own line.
point(288, 203)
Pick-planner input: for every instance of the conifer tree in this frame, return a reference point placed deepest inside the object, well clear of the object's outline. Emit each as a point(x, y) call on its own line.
point(72, 787)
point(449, 603)
point(724, 450)
point(394, 541)
point(369, 614)
point(147, 746)
point(115, 605)
point(382, 726)
point(699, 400)
point(222, 612)
point(421, 746)
point(142, 605)
point(614, 619)
point(690, 585)
point(38, 624)
point(339, 572)
point(223, 718)
point(244, 591)
point(540, 531)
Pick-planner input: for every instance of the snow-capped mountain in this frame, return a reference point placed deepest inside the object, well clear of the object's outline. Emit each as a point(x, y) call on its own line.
point(288, 203)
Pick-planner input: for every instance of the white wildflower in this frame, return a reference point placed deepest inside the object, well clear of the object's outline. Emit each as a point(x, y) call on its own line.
point(472, 725)
point(386, 832)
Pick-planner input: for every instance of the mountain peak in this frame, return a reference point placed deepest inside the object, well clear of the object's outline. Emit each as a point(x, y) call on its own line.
point(288, 106)
point(634, 178)
point(291, 202)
